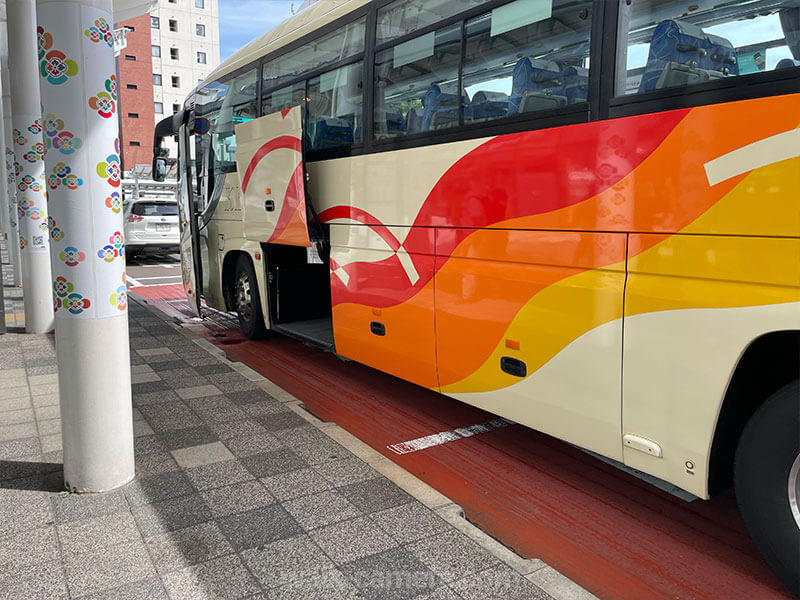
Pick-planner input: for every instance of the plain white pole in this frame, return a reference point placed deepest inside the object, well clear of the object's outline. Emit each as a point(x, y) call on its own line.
point(28, 150)
point(79, 94)
point(9, 181)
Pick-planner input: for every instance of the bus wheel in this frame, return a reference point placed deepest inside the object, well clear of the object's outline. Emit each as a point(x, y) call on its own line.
point(767, 481)
point(248, 300)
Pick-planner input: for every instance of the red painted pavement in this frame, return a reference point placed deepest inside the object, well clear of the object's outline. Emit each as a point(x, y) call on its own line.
point(618, 537)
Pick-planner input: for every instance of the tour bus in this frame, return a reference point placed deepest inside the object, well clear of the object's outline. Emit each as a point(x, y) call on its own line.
point(583, 216)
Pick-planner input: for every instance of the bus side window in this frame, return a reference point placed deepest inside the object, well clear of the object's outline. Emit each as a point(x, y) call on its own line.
point(335, 101)
point(517, 62)
point(238, 106)
point(665, 44)
point(416, 84)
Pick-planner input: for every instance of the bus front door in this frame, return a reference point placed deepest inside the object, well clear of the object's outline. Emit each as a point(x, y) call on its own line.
point(269, 158)
point(191, 271)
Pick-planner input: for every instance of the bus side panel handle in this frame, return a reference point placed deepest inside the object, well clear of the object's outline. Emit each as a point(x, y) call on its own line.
point(513, 366)
point(269, 205)
point(377, 328)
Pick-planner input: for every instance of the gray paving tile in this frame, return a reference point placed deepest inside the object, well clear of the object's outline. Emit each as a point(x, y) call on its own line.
point(250, 396)
point(155, 463)
point(443, 593)
point(498, 583)
point(141, 428)
point(137, 378)
point(45, 400)
point(171, 515)
point(186, 547)
point(99, 570)
point(281, 420)
point(13, 417)
point(75, 507)
point(391, 575)
point(218, 474)
point(241, 497)
point(146, 445)
point(146, 589)
point(45, 581)
point(18, 431)
point(321, 509)
point(175, 365)
point(157, 397)
point(151, 386)
point(296, 484)
point(203, 361)
point(217, 369)
point(259, 409)
point(216, 409)
point(350, 540)
point(156, 488)
point(320, 450)
point(44, 388)
point(272, 463)
point(186, 438)
point(375, 494)
point(10, 393)
point(463, 557)
point(287, 560)
point(258, 527)
point(236, 429)
point(410, 522)
point(255, 444)
point(224, 577)
point(11, 470)
point(24, 509)
point(91, 535)
point(47, 412)
point(169, 416)
point(20, 449)
point(204, 454)
point(49, 427)
point(324, 586)
point(43, 370)
point(346, 471)
point(199, 391)
point(34, 546)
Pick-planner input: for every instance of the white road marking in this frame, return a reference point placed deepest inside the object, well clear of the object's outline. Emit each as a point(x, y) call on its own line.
point(160, 277)
point(776, 148)
point(132, 281)
point(138, 284)
point(444, 437)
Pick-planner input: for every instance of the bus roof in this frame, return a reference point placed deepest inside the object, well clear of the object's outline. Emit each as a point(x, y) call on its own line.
point(315, 16)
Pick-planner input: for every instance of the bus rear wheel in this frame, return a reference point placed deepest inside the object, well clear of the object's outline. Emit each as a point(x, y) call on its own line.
point(248, 300)
point(767, 481)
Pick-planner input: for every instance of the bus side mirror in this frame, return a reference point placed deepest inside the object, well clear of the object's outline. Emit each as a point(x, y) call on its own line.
point(159, 168)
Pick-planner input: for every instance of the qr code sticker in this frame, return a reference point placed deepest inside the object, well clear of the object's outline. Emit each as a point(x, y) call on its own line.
point(38, 240)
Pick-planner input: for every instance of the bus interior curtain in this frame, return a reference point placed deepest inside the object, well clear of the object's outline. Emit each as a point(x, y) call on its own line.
point(790, 23)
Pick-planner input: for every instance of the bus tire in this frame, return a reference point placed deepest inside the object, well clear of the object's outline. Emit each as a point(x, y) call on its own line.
point(766, 479)
point(248, 300)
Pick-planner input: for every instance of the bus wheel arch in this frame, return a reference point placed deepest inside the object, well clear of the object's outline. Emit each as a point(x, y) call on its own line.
point(770, 362)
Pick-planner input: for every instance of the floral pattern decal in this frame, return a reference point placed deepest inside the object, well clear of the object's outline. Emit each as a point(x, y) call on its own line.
point(56, 68)
point(23, 243)
point(19, 139)
point(36, 127)
point(56, 137)
point(29, 183)
point(36, 153)
point(120, 298)
point(110, 170)
point(105, 102)
point(100, 32)
point(64, 296)
point(114, 249)
point(71, 256)
point(55, 232)
point(114, 202)
point(44, 41)
point(62, 175)
point(25, 208)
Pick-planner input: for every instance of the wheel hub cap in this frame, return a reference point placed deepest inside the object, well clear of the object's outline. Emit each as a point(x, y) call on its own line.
point(243, 298)
point(794, 490)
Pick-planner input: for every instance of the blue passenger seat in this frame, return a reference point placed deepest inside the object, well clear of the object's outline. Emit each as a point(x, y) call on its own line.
point(536, 85)
point(440, 109)
point(413, 121)
point(576, 84)
point(489, 105)
point(395, 123)
point(720, 57)
point(331, 132)
point(678, 56)
point(787, 63)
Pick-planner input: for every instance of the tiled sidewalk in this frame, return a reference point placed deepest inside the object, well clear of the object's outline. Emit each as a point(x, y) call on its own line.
point(239, 494)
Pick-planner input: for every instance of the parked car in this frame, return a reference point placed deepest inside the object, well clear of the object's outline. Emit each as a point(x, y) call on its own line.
point(151, 225)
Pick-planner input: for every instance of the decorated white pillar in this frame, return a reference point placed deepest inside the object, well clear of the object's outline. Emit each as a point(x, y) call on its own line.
point(79, 94)
point(8, 177)
point(29, 151)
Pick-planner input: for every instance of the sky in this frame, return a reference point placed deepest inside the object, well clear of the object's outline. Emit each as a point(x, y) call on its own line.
point(243, 20)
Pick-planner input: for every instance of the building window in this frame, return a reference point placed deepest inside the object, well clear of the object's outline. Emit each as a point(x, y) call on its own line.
point(176, 81)
point(155, 22)
point(132, 86)
point(157, 79)
point(201, 58)
point(173, 25)
point(130, 27)
point(173, 53)
point(157, 51)
point(176, 108)
point(130, 57)
point(159, 108)
point(200, 29)
point(173, 1)
point(199, 3)
point(135, 144)
point(133, 115)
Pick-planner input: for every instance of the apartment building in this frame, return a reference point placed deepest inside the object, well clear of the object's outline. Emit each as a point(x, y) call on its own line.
point(168, 52)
